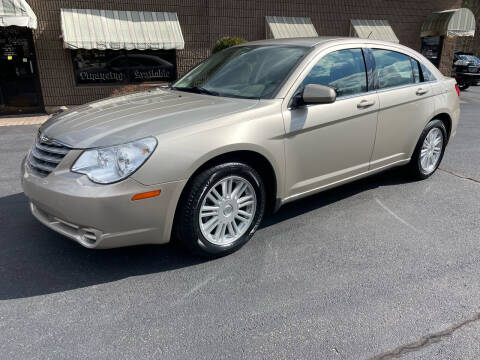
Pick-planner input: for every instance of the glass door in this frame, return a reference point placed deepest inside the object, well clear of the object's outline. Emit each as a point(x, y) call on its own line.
point(19, 90)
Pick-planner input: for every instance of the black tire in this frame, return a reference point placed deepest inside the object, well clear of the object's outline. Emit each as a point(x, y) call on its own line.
point(187, 227)
point(463, 87)
point(415, 166)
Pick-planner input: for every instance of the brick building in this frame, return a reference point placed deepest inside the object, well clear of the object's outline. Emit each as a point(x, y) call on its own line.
point(62, 69)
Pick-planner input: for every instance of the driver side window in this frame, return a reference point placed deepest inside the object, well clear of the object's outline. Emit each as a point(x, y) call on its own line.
point(342, 70)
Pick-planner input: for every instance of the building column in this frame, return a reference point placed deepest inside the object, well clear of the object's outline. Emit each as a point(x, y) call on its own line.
point(472, 44)
point(446, 60)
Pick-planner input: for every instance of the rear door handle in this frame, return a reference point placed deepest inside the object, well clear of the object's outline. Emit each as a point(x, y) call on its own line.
point(365, 104)
point(421, 92)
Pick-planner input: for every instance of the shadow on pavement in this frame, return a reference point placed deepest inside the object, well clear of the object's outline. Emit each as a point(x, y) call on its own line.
point(36, 261)
point(296, 208)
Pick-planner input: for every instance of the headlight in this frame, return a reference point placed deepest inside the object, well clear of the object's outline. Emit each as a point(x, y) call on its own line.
point(111, 164)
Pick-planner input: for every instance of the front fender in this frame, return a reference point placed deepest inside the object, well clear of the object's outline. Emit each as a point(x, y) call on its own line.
point(178, 157)
point(232, 148)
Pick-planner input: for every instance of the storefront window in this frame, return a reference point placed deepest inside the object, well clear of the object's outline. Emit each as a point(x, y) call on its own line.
point(123, 67)
point(432, 49)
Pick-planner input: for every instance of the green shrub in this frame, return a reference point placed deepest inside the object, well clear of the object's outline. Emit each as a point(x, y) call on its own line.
point(226, 42)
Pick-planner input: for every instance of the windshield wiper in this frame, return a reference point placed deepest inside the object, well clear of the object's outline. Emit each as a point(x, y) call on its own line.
point(197, 90)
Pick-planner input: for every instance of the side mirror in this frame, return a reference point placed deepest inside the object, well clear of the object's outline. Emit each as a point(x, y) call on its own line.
point(318, 94)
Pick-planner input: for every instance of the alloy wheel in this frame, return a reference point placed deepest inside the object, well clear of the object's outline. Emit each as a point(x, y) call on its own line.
point(431, 150)
point(227, 210)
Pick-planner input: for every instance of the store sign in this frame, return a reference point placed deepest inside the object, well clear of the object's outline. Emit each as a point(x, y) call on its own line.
point(112, 67)
point(153, 74)
point(8, 50)
point(101, 76)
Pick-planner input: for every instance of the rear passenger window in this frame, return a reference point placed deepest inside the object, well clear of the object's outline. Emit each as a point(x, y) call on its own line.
point(416, 71)
point(427, 74)
point(394, 69)
point(342, 70)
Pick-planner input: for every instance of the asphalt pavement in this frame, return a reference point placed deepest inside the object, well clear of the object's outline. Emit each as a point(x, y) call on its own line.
point(381, 268)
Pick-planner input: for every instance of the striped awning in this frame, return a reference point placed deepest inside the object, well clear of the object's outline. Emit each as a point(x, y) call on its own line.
point(17, 13)
point(458, 22)
point(112, 29)
point(280, 27)
point(373, 29)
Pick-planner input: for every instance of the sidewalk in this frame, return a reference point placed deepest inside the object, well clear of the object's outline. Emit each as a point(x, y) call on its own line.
point(23, 120)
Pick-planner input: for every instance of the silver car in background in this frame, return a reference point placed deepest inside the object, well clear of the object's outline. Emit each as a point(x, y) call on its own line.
point(249, 129)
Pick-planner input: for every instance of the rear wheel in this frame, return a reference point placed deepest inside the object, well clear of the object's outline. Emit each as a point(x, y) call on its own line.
point(221, 210)
point(429, 150)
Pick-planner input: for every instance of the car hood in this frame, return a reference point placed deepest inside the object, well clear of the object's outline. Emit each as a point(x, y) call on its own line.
point(129, 117)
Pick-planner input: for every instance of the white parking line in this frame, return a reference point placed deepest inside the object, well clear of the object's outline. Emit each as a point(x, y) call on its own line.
point(396, 216)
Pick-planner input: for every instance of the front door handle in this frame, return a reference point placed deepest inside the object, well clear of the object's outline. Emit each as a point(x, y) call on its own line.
point(365, 104)
point(421, 92)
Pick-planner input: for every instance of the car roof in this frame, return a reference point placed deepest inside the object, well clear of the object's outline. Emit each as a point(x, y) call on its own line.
point(322, 40)
point(303, 41)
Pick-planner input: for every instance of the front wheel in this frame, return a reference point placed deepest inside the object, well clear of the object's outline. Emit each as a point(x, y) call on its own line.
point(429, 150)
point(222, 208)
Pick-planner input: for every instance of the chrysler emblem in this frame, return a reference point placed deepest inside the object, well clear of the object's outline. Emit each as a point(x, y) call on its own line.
point(43, 139)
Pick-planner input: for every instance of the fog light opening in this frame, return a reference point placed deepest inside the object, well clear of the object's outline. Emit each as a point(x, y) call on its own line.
point(90, 236)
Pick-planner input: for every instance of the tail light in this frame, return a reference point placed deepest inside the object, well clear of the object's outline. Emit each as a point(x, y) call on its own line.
point(457, 89)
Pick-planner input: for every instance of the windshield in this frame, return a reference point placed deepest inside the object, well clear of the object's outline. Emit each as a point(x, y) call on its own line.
point(254, 72)
point(474, 59)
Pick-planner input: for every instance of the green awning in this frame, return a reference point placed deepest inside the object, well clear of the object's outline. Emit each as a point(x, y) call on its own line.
point(280, 27)
point(112, 29)
point(457, 22)
point(373, 29)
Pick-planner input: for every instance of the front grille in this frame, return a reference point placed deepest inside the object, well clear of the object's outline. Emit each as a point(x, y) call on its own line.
point(45, 155)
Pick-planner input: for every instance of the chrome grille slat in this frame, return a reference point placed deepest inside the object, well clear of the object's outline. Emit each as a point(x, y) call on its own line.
point(42, 166)
point(52, 149)
point(45, 155)
point(37, 171)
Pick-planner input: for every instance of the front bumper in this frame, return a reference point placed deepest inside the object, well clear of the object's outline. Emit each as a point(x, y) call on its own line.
point(101, 216)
